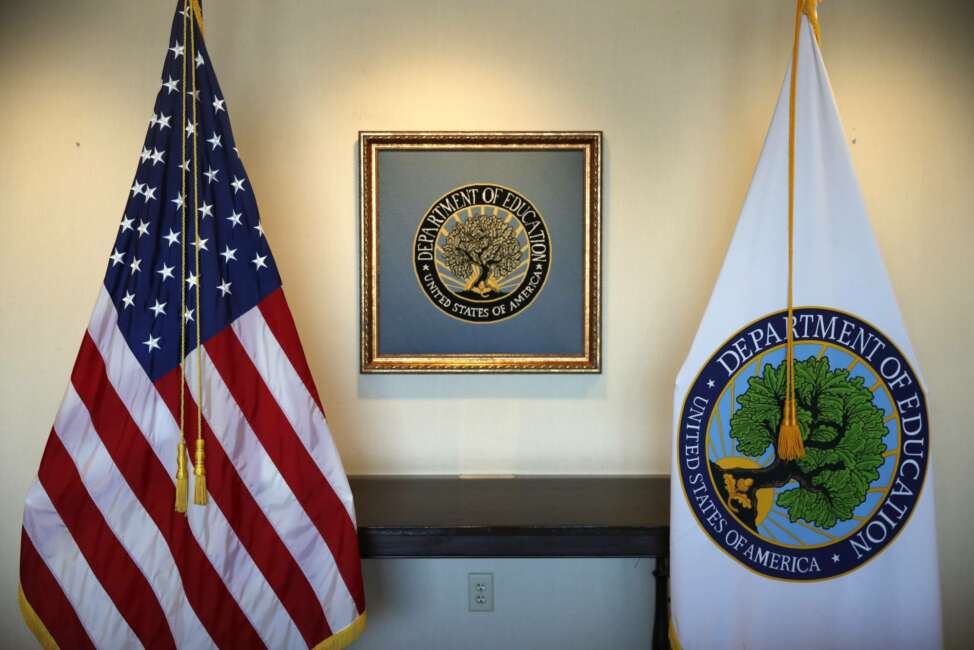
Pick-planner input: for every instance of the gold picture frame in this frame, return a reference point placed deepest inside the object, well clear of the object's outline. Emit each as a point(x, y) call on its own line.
point(491, 245)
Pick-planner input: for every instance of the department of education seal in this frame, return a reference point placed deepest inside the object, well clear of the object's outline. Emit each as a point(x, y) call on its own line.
point(482, 253)
point(863, 420)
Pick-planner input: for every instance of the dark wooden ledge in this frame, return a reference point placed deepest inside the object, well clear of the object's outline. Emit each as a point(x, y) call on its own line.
point(402, 516)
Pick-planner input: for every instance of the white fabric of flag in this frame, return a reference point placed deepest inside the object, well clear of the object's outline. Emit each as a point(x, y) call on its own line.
point(837, 549)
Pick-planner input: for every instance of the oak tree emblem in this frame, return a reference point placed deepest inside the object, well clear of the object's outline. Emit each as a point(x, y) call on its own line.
point(842, 430)
point(481, 251)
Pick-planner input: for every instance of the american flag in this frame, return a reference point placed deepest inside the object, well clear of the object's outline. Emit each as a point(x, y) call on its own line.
point(272, 560)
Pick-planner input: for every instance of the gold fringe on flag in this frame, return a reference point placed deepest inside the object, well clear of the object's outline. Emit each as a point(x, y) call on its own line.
point(346, 636)
point(34, 622)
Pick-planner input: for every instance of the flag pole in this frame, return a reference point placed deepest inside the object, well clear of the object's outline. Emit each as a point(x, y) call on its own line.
point(182, 476)
point(199, 468)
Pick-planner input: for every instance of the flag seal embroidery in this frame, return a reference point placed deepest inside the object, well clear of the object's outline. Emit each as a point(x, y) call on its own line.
point(482, 253)
point(863, 420)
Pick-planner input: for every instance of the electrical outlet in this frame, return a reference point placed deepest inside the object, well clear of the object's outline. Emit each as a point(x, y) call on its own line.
point(480, 592)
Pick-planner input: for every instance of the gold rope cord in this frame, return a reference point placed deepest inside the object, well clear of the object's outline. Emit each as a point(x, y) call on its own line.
point(182, 478)
point(790, 444)
point(199, 470)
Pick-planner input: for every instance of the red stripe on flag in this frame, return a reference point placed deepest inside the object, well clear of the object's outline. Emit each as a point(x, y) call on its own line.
point(108, 559)
point(213, 603)
point(47, 599)
point(250, 524)
point(289, 455)
point(277, 315)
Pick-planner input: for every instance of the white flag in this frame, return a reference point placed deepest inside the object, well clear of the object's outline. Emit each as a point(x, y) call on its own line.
point(836, 549)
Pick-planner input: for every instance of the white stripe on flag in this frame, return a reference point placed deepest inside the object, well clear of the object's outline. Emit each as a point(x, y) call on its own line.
point(292, 396)
point(216, 537)
point(128, 520)
point(243, 578)
point(272, 494)
point(133, 386)
point(98, 615)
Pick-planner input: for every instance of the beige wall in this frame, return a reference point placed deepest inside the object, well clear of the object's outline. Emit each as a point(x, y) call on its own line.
point(683, 91)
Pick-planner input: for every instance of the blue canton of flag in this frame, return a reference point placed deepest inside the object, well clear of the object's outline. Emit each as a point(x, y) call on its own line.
point(145, 270)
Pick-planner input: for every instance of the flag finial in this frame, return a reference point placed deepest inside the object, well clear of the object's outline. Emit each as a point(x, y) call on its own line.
point(810, 9)
point(198, 10)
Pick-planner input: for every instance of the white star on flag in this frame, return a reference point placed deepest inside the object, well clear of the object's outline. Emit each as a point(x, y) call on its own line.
point(153, 343)
point(159, 309)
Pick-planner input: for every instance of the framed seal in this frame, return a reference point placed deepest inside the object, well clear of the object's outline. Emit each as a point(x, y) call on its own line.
point(481, 252)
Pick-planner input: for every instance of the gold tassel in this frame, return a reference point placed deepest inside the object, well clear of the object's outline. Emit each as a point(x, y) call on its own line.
point(790, 445)
point(199, 482)
point(182, 478)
